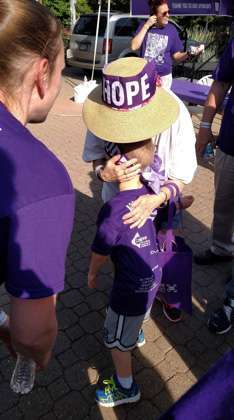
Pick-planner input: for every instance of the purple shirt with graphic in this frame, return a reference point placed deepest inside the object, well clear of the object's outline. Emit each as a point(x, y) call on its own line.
point(160, 44)
point(36, 213)
point(225, 73)
point(133, 252)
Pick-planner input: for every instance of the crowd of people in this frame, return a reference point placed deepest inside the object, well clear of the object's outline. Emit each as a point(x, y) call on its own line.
point(141, 142)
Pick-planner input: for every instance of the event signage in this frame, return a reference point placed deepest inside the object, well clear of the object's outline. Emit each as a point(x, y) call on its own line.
point(187, 7)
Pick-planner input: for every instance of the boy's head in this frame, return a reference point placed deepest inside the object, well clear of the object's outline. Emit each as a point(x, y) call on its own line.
point(143, 151)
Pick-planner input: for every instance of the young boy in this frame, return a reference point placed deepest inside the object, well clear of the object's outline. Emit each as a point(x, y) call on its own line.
point(136, 280)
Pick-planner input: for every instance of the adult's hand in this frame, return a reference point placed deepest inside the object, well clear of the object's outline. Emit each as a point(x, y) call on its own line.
point(33, 327)
point(151, 21)
point(204, 137)
point(142, 208)
point(120, 172)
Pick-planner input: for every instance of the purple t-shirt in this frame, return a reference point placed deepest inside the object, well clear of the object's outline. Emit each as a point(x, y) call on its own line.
point(36, 213)
point(225, 73)
point(133, 252)
point(160, 44)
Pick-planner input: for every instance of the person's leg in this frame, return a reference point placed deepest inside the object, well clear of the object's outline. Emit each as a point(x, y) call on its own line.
point(223, 221)
point(222, 248)
point(120, 336)
point(220, 321)
point(123, 367)
point(171, 311)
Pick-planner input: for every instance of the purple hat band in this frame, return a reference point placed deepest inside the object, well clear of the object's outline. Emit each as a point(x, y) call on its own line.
point(126, 93)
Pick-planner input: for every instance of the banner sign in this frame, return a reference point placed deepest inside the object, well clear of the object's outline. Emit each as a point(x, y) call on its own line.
point(187, 7)
point(192, 7)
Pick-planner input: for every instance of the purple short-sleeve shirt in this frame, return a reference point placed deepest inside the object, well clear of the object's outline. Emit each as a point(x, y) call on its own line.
point(160, 44)
point(133, 252)
point(36, 213)
point(225, 73)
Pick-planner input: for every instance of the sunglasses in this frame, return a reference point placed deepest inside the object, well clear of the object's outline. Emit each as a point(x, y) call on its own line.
point(166, 13)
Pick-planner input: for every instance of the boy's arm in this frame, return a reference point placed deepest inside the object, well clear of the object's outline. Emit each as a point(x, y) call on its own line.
point(97, 260)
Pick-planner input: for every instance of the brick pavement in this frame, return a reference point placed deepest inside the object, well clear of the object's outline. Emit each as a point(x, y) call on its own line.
point(174, 357)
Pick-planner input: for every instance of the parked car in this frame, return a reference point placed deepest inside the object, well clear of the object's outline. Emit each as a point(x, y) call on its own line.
point(122, 28)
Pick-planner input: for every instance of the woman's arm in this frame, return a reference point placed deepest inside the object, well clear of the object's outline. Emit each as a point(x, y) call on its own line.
point(146, 204)
point(138, 39)
point(214, 100)
point(180, 56)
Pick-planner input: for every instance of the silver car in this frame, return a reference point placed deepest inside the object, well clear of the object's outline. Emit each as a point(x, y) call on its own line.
point(121, 30)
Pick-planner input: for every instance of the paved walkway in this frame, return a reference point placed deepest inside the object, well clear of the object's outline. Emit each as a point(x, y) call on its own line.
point(174, 357)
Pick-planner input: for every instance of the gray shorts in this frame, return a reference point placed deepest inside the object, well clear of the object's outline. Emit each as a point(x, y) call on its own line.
point(121, 331)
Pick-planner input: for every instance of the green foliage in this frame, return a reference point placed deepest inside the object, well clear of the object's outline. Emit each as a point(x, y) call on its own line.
point(61, 9)
point(82, 6)
point(214, 30)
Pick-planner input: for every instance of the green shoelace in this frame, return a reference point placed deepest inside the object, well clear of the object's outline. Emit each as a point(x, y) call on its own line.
point(110, 385)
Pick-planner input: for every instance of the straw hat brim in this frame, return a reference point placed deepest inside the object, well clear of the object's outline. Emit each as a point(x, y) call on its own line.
point(129, 126)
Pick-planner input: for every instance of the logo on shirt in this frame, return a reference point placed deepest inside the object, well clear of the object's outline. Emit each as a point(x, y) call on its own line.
point(169, 288)
point(140, 241)
point(156, 46)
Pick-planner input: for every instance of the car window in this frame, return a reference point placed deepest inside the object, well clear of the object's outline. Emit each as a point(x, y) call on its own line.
point(126, 26)
point(86, 25)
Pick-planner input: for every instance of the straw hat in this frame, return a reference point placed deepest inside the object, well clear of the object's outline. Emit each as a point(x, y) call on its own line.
point(128, 107)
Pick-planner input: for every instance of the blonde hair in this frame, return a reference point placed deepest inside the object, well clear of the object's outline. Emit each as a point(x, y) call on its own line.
point(143, 151)
point(27, 30)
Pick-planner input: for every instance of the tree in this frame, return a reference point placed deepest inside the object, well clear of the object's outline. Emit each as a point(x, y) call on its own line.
point(121, 5)
point(61, 9)
point(82, 6)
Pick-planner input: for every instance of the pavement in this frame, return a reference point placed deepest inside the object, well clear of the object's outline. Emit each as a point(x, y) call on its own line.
point(174, 356)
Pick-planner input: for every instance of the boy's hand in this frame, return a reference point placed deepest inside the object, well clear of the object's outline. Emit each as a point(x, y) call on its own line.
point(92, 281)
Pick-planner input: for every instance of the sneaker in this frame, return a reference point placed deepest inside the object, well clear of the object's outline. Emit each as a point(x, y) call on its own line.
point(207, 257)
point(114, 394)
point(218, 322)
point(171, 312)
point(141, 339)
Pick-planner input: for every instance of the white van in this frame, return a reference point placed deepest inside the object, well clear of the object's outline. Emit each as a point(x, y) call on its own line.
point(121, 30)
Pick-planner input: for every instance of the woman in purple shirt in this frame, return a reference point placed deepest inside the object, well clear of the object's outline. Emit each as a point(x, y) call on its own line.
point(159, 40)
point(35, 189)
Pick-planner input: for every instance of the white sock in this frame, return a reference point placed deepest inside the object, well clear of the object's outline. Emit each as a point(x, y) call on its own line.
point(228, 311)
point(231, 303)
point(3, 317)
point(125, 382)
